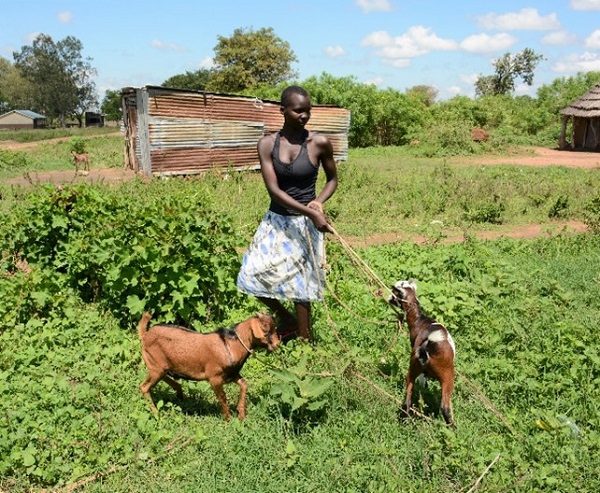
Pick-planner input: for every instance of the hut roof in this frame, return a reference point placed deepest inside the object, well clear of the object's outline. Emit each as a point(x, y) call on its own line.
point(587, 106)
point(26, 113)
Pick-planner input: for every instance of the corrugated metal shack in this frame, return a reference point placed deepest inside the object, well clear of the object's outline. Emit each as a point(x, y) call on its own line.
point(173, 131)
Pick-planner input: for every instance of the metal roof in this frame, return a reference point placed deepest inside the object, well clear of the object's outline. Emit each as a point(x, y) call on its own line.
point(26, 113)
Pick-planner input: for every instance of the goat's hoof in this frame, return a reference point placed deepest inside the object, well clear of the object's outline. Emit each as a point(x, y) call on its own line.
point(403, 414)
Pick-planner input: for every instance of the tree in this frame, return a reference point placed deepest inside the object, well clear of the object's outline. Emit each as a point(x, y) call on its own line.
point(250, 58)
point(111, 105)
point(563, 91)
point(15, 91)
point(60, 75)
point(508, 68)
point(427, 94)
point(194, 81)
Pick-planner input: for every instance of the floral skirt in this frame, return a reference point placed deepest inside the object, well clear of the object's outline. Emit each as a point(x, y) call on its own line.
point(285, 260)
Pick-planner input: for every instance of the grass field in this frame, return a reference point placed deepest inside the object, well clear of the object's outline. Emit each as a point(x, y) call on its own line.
point(523, 314)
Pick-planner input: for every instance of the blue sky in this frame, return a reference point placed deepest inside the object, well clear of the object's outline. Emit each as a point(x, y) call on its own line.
point(390, 43)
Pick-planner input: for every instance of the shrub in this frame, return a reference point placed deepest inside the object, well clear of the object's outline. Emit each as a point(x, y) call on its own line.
point(132, 251)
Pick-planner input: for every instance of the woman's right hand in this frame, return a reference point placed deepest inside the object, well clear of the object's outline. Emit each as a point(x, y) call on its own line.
point(319, 219)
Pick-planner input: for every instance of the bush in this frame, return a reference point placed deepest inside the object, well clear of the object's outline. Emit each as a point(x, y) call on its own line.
point(131, 250)
point(592, 214)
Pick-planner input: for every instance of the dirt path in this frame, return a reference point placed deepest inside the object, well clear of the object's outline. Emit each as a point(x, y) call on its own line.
point(539, 156)
point(516, 232)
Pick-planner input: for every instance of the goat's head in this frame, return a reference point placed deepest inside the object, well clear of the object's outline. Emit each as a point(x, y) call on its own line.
point(402, 292)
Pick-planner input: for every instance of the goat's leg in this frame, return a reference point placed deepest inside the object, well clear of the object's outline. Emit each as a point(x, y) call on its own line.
point(241, 405)
point(176, 386)
point(217, 386)
point(410, 383)
point(447, 385)
point(151, 380)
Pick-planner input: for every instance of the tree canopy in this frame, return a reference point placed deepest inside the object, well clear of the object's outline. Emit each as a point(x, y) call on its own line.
point(507, 69)
point(60, 76)
point(250, 58)
point(111, 105)
point(193, 81)
point(15, 91)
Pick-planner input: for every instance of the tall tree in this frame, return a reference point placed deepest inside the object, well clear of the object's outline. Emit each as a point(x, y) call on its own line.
point(249, 58)
point(15, 91)
point(194, 81)
point(427, 94)
point(507, 69)
point(111, 105)
point(62, 78)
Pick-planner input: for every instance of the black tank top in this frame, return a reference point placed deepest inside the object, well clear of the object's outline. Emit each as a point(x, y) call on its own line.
point(298, 178)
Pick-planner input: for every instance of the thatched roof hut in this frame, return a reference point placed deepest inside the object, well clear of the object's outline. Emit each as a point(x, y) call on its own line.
point(584, 114)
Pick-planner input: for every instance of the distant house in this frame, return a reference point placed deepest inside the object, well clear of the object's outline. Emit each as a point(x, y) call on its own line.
point(94, 119)
point(22, 119)
point(584, 114)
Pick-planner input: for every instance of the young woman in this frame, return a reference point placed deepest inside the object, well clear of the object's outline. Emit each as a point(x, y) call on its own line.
point(285, 259)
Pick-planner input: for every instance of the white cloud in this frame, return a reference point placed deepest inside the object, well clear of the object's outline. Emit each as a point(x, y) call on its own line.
point(377, 81)
point(469, 78)
point(374, 5)
point(587, 62)
point(334, 51)
point(484, 43)
point(585, 4)
point(593, 40)
point(453, 90)
point(527, 19)
point(32, 36)
point(397, 51)
point(161, 45)
point(65, 17)
point(377, 38)
point(207, 62)
point(561, 38)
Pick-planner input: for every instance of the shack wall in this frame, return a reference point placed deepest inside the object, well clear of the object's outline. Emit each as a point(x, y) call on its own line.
point(170, 131)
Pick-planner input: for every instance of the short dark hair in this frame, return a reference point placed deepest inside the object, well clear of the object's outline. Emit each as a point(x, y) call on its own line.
point(288, 91)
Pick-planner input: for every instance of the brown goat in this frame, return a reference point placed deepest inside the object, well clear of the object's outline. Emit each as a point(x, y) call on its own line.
point(81, 160)
point(170, 351)
point(432, 348)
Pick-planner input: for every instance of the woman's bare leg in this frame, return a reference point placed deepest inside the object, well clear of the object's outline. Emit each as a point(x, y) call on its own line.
point(280, 312)
point(304, 320)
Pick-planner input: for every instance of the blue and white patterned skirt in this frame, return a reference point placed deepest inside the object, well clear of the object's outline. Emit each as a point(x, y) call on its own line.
point(285, 260)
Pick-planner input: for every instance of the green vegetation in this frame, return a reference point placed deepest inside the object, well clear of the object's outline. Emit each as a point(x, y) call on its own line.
point(106, 151)
point(52, 133)
point(79, 263)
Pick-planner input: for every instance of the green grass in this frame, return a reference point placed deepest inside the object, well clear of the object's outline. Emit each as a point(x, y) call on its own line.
point(524, 316)
point(53, 133)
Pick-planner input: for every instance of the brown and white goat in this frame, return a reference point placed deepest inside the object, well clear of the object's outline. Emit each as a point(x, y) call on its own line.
point(432, 348)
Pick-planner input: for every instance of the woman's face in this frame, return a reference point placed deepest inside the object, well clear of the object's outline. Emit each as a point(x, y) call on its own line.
point(297, 110)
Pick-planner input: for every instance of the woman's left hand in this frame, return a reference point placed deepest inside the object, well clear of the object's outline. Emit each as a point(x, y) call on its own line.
point(315, 205)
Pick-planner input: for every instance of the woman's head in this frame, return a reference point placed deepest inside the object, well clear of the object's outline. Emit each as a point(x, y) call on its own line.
point(289, 91)
point(295, 106)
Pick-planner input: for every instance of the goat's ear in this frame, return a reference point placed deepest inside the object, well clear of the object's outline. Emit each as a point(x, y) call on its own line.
point(413, 284)
point(266, 322)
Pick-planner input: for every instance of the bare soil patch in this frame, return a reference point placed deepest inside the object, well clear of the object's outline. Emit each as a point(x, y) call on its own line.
point(539, 156)
point(517, 232)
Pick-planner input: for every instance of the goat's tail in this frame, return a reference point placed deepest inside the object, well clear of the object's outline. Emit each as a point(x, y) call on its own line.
point(143, 325)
